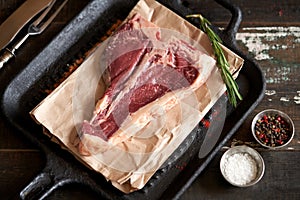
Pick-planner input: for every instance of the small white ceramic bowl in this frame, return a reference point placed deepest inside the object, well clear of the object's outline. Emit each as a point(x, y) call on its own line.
point(260, 166)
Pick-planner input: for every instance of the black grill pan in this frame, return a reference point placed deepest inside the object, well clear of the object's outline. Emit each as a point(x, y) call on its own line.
point(24, 92)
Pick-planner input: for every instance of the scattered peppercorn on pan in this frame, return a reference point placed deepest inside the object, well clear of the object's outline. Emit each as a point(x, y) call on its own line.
point(56, 62)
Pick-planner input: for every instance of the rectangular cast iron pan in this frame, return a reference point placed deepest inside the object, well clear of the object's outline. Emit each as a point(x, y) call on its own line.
point(61, 168)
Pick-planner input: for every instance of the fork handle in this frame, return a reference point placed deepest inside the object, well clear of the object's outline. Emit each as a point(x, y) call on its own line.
point(5, 57)
point(10, 52)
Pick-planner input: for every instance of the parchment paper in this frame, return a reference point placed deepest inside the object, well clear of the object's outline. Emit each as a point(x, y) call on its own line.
point(130, 162)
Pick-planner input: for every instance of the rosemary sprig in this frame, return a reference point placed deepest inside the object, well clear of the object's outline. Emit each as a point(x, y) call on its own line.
point(231, 85)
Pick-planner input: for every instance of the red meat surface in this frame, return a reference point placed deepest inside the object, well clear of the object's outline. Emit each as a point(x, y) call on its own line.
point(138, 74)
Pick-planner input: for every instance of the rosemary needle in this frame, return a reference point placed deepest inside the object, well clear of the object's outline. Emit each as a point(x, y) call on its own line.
point(231, 85)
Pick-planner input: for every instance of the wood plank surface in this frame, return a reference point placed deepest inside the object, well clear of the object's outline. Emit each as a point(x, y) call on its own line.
point(284, 176)
point(17, 167)
point(269, 33)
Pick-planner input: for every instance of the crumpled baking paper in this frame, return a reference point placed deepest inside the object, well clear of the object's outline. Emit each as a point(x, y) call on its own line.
point(143, 143)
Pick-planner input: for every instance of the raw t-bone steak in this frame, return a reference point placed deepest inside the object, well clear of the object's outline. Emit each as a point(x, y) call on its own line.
point(140, 72)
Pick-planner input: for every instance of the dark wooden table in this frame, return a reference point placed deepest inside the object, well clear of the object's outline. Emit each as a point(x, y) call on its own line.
point(269, 33)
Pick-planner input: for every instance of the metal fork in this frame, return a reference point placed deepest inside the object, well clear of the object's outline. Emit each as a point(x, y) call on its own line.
point(34, 29)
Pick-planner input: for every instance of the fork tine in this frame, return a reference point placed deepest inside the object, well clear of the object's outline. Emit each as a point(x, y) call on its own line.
point(33, 29)
point(42, 16)
point(44, 26)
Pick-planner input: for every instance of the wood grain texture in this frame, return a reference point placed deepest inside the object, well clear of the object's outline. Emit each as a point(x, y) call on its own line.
point(255, 13)
point(269, 33)
point(284, 176)
point(276, 49)
point(17, 167)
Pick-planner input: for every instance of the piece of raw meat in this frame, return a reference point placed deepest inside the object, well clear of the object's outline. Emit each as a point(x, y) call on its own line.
point(138, 73)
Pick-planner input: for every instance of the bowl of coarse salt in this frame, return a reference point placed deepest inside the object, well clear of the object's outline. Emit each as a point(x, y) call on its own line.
point(242, 166)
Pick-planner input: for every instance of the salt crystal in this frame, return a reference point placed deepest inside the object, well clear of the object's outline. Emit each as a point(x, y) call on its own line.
point(240, 168)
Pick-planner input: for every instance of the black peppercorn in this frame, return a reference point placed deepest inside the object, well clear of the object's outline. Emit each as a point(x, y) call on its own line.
point(272, 130)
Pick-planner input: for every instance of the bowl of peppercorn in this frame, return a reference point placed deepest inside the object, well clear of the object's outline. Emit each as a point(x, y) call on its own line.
point(273, 128)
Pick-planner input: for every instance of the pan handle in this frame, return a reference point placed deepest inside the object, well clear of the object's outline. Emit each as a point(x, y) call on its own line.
point(41, 186)
point(49, 179)
point(234, 22)
point(37, 186)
